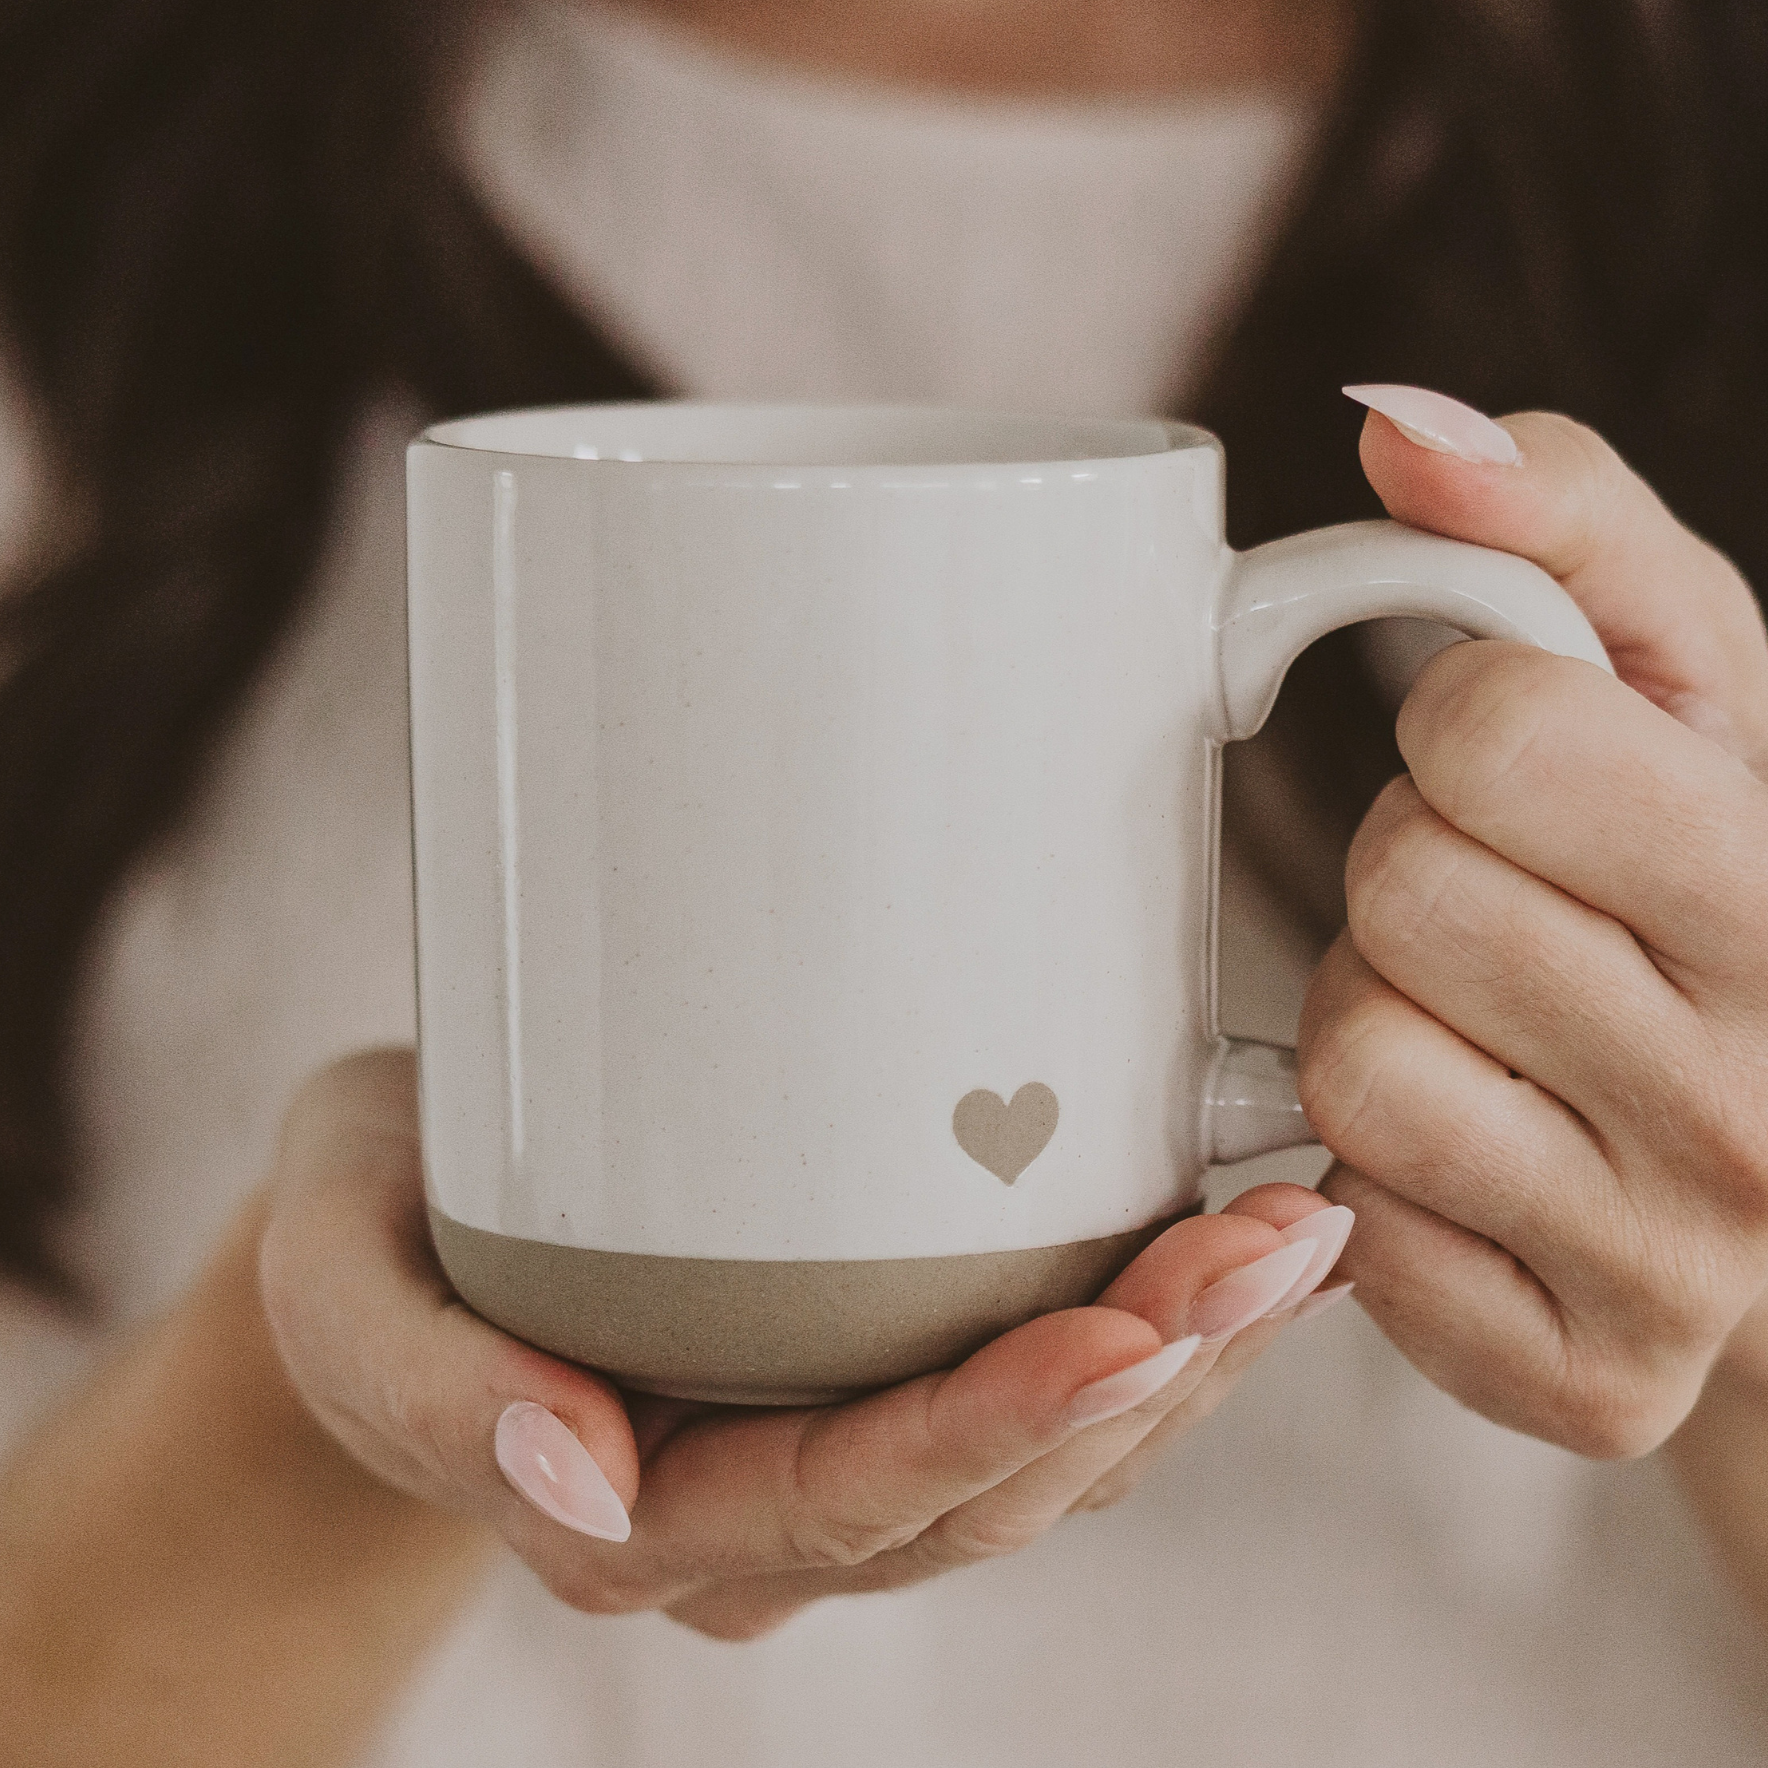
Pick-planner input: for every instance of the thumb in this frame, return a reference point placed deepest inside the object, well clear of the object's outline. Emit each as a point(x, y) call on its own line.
point(1680, 624)
point(425, 1394)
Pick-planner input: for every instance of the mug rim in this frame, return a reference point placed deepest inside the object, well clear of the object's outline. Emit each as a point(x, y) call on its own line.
point(479, 433)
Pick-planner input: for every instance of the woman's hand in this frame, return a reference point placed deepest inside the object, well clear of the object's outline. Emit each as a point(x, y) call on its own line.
point(1540, 1050)
point(738, 1517)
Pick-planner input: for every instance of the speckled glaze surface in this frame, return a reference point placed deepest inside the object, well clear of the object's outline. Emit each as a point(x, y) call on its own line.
point(767, 1332)
point(816, 824)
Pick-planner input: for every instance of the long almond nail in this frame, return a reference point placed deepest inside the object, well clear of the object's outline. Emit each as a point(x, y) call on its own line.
point(1113, 1394)
point(555, 1473)
point(1435, 421)
point(1250, 1293)
point(1331, 1228)
point(1327, 1298)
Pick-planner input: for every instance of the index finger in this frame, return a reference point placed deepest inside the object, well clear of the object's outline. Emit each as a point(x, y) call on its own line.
point(1679, 623)
point(739, 1494)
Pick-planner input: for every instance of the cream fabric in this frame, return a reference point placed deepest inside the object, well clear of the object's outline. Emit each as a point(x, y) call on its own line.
point(1343, 1568)
point(755, 234)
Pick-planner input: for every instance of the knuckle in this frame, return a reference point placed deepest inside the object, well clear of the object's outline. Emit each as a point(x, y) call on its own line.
point(1690, 1300)
point(1487, 924)
point(962, 1538)
point(1428, 894)
point(1395, 805)
point(590, 1589)
point(1606, 1410)
point(1478, 726)
point(1596, 486)
point(424, 1429)
point(1661, 1284)
point(1397, 872)
point(1588, 488)
point(820, 1536)
point(897, 1570)
point(834, 1542)
point(1671, 1290)
point(1730, 1144)
point(1703, 1269)
point(1341, 1078)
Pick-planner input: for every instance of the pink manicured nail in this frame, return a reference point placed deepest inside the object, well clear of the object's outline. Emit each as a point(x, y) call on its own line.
point(1434, 420)
point(1129, 1387)
point(1327, 1298)
point(555, 1473)
point(1250, 1293)
point(1331, 1228)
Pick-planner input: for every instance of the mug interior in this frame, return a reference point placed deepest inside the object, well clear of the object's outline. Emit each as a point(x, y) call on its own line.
point(811, 435)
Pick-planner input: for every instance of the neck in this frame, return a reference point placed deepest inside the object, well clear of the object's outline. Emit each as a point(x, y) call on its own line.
point(1093, 49)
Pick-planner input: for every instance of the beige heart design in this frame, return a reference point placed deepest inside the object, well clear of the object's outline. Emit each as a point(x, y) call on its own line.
point(1006, 1138)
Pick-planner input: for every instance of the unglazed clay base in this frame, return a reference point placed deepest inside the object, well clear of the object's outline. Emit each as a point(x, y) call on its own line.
point(767, 1332)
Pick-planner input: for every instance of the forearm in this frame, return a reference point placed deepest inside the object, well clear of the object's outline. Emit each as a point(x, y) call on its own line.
point(1721, 1457)
point(192, 1571)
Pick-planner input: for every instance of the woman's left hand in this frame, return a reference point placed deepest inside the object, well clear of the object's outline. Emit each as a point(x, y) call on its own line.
point(1540, 1050)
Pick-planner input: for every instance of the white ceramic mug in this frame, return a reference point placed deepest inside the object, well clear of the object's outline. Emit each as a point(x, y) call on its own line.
point(816, 849)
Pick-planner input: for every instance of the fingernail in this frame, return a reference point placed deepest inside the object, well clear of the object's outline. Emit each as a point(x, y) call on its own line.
point(1327, 1298)
point(1251, 1292)
point(1331, 1228)
point(1129, 1387)
point(1435, 421)
point(555, 1473)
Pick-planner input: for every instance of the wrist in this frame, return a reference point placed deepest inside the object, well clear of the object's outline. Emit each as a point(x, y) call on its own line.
point(188, 1555)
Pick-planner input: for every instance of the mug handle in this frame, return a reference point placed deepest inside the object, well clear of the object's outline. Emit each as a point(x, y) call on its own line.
point(1274, 601)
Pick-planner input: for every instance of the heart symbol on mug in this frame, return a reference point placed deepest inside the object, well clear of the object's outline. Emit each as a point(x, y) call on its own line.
point(1006, 1138)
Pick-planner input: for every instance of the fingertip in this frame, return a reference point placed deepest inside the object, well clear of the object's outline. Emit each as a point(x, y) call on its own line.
point(1013, 1396)
point(1327, 1231)
point(1341, 981)
point(1162, 1283)
point(544, 1460)
point(1047, 1358)
point(588, 1404)
point(907, 1455)
point(1281, 1205)
point(1445, 493)
point(1115, 1394)
point(1300, 1215)
point(1436, 423)
point(1564, 498)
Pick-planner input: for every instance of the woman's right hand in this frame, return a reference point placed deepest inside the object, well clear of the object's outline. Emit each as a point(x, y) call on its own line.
point(739, 1516)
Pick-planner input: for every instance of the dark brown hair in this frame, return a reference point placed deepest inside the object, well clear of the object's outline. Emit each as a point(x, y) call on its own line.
point(224, 226)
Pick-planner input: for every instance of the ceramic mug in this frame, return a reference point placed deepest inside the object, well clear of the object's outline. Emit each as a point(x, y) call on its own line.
point(816, 822)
